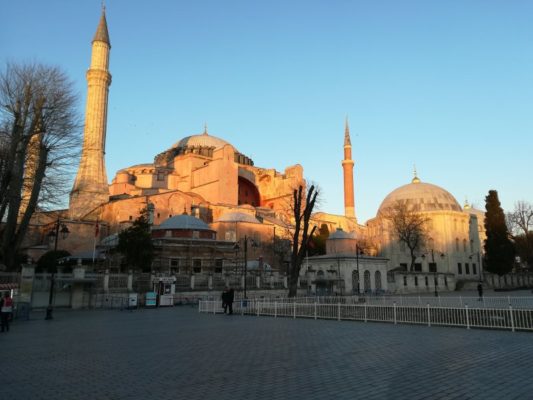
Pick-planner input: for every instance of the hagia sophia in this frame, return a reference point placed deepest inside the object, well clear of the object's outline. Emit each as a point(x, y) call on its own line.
point(204, 189)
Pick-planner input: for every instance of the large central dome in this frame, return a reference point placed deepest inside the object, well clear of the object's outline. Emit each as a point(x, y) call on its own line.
point(202, 140)
point(421, 197)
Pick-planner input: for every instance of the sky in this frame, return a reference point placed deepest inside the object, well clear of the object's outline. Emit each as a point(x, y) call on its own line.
point(443, 85)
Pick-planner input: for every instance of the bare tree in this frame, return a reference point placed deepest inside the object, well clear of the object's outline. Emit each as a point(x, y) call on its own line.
point(520, 224)
point(408, 227)
point(520, 220)
point(40, 137)
point(303, 205)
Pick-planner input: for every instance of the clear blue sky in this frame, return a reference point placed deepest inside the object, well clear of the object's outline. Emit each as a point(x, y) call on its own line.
point(447, 85)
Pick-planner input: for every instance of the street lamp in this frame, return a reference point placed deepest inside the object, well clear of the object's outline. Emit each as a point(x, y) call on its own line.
point(478, 263)
point(435, 277)
point(62, 229)
point(357, 250)
point(237, 247)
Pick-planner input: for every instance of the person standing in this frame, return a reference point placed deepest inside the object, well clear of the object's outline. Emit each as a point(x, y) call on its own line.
point(480, 291)
point(224, 297)
point(5, 311)
point(231, 297)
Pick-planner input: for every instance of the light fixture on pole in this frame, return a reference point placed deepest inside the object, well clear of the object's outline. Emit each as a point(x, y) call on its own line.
point(62, 229)
point(434, 265)
point(237, 247)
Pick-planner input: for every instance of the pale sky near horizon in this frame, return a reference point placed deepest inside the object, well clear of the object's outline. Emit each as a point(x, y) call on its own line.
point(445, 85)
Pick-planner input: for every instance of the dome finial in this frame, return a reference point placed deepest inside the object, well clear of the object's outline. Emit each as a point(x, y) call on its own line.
point(415, 178)
point(467, 204)
point(205, 129)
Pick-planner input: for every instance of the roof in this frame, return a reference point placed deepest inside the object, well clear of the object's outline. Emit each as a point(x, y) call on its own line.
point(183, 222)
point(236, 216)
point(340, 234)
point(421, 197)
point(102, 35)
point(202, 140)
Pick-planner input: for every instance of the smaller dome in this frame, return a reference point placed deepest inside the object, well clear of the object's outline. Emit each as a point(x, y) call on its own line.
point(340, 234)
point(236, 216)
point(183, 222)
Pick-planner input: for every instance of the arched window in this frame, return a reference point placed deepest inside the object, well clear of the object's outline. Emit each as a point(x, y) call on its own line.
point(377, 277)
point(368, 288)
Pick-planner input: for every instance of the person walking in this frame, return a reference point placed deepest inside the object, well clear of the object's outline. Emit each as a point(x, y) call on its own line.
point(224, 297)
point(5, 311)
point(480, 291)
point(229, 302)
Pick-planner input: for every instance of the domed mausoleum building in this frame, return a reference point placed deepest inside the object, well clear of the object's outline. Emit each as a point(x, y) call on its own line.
point(452, 234)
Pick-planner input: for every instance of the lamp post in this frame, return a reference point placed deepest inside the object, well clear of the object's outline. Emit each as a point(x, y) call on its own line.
point(237, 247)
point(478, 263)
point(357, 250)
point(63, 229)
point(435, 275)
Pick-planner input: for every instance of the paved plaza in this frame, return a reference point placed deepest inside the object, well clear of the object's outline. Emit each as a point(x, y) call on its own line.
point(177, 353)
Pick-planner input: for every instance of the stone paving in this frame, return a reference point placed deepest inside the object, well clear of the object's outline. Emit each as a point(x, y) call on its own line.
point(177, 353)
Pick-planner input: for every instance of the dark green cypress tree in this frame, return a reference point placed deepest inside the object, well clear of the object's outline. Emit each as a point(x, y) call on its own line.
point(499, 250)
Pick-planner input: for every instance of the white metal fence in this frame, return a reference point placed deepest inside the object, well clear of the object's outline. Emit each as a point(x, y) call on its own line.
point(468, 317)
point(523, 302)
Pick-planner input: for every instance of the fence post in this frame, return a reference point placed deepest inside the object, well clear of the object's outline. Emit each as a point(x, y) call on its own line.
point(294, 310)
point(315, 310)
point(394, 308)
point(429, 315)
point(338, 311)
point(512, 318)
point(258, 305)
point(275, 309)
point(365, 314)
point(467, 317)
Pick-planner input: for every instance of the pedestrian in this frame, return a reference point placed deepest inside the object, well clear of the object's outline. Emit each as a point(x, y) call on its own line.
point(480, 291)
point(225, 294)
point(6, 309)
point(229, 302)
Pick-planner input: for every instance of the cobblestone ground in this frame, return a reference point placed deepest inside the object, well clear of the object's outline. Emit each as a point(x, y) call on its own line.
point(176, 353)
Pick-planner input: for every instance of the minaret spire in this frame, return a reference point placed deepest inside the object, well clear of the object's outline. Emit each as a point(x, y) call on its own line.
point(347, 166)
point(90, 187)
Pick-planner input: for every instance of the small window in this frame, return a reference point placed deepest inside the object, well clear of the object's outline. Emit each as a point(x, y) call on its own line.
point(474, 269)
point(174, 262)
point(432, 267)
point(168, 233)
point(218, 262)
point(403, 266)
point(467, 269)
point(405, 281)
point(427, 282)
point(160, 176)
point(418, 267)
point(464, 245)
point(416, 280)
point(459, 268)
point(196, 234)
point(130, 218)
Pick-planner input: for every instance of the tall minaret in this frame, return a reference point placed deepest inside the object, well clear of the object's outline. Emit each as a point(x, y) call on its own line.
point(91, 187)
point(347, 166)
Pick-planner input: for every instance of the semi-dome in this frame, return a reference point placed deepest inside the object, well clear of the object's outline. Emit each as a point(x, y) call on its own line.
point(183, 222)
point(202, 140)
point(421, 197)
point(236, 216)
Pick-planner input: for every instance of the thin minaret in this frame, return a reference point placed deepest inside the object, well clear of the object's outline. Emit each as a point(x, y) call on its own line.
point(90, 187)
point(347, 166)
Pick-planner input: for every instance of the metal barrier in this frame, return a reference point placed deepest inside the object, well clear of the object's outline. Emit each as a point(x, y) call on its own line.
point(492, 318)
